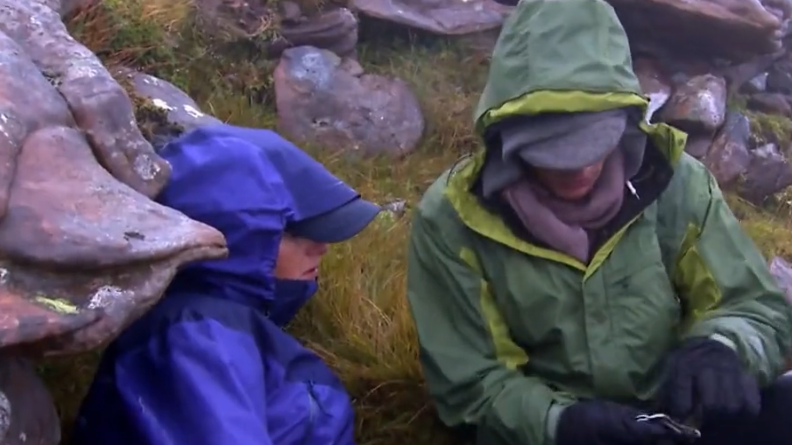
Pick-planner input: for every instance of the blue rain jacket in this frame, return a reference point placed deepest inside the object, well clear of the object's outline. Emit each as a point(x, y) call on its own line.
point(210, 364)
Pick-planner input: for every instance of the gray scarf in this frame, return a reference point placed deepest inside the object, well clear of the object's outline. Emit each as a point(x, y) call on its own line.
point(565, 225)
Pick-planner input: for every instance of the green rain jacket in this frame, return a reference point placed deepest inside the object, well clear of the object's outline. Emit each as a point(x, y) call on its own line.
point(512, 332)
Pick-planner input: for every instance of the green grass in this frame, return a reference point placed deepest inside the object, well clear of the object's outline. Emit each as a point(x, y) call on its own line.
point(359, 321)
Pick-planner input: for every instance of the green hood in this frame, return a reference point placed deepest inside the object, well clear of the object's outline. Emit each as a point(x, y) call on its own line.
point(555, 56)
point(559, 56)
point(506, 344)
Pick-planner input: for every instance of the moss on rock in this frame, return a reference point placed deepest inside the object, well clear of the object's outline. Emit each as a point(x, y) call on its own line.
point(770, 128)
point(152, 120)
point(765, 127)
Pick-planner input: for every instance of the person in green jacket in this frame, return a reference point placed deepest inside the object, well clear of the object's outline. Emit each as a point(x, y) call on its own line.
point(582, 270)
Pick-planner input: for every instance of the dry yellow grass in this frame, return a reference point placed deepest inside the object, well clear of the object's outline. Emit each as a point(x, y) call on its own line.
point(359, 322)
point(129, 32)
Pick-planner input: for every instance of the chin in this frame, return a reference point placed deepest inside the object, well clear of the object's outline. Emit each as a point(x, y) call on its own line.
point(574, 195)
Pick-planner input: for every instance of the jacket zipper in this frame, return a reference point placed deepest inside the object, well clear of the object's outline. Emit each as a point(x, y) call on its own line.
point(312, 407)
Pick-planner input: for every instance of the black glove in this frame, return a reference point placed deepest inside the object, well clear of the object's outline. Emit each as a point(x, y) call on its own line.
point(606, 423)
point(705, 377)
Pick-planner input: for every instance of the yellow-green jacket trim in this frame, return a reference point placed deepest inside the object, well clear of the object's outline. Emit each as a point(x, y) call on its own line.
point(510, 333)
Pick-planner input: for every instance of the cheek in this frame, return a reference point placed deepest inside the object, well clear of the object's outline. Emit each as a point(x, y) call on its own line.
point(591, 173)
point(288, 255)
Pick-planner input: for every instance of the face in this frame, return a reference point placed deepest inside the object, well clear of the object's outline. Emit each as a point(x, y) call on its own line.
point(570, 185)
point(298, 258)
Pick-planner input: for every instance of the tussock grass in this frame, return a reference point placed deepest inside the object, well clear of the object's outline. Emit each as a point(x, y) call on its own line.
point(359, 321)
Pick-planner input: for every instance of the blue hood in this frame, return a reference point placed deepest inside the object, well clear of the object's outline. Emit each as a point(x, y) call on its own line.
point(247, 183)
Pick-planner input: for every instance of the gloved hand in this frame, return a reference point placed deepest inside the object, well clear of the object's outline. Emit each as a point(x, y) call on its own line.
point(606, 423)
point(706, 378)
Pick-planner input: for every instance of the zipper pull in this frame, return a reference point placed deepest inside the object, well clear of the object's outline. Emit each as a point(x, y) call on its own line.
point(632, 190)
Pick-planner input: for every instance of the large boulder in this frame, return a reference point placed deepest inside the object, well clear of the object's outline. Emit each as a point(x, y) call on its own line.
point(445, 17)
point(732, 29)
point(84, 250)
point(331, 102)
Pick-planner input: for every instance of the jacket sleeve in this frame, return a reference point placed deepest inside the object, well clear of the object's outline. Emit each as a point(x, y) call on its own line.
point(470, 364)
point(200, 383)
point(728, 286)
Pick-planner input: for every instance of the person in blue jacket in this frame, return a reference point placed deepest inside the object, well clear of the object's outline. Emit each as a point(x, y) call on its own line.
point(210, 363)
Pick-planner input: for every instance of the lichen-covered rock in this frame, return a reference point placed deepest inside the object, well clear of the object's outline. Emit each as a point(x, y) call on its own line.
point(698, 106)
point(335, 30)
point(98, 104)
point(237, 20)
point(84, 250)
point(444, 17)
point(332, 103)
point(728, 156)
point(779, 76)
point(80, 252)
point(773, 103)
point(757, 84)
point(733, 29)
point(163, 110)
point(769, 172)
point(750, 76)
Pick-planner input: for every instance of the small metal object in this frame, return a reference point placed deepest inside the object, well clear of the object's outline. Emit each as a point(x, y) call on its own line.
point(679, 428)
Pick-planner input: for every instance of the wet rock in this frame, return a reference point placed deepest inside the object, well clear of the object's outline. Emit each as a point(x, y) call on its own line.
point(81, 253)
point(779, 77)
point(84, 251)
point(325, 100)
point(731, 29)
point(335, 30)
point(769, 172)
point(749, 76)
point(396, 208)
point(699, 105)
point(27, 413)
point(289, 12)
point(167, 111)
point(28, 102)
point(756, 85)
point(698, 145)
point(99, 105)
point(773, 103)
point(234, 21)
point(444, 17)
point(653, 83)
point(728, 157)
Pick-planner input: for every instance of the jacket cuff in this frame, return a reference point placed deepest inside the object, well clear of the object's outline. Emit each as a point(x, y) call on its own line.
point(725, 340)
point(551, 422)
